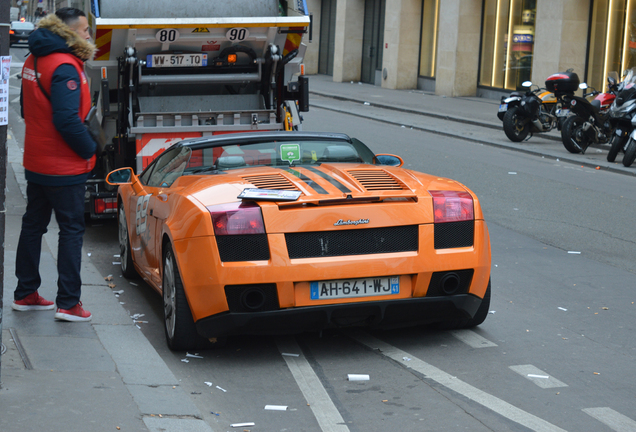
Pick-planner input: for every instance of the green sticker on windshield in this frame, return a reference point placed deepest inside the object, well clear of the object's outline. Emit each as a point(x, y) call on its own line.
point(290, 152)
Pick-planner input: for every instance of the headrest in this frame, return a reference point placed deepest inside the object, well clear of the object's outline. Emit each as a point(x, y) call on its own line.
point(341, 153)
point(225, 162)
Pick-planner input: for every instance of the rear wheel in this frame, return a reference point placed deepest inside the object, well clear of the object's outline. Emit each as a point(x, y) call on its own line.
point(573, 137)
point(616, 144)
point(515, 124)
point(630, 153)
point(181, 332)
point(125, 253)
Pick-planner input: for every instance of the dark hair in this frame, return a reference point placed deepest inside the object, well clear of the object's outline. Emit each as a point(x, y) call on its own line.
point(69, 15)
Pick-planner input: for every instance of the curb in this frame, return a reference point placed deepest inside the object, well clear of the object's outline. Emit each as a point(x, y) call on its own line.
point(148, 379)
point(426, 113)
point(563, 158)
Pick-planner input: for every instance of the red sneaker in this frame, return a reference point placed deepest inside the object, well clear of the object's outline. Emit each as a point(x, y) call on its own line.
point(32, 302)
point(76, 313)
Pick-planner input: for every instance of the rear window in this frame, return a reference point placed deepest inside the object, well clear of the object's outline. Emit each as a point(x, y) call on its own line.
point(17, 25)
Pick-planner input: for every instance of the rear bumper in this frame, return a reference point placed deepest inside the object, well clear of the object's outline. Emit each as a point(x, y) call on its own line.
point(377, 314)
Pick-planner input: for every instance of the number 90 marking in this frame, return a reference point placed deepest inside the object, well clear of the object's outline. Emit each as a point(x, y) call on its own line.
point(237, 34)
point(167, 35)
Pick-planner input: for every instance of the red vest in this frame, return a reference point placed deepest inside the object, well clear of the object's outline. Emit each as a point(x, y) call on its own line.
point(45, 151)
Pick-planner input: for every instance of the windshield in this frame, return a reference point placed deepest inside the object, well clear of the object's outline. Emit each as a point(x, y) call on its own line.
point(184, 160)
point(17, 25)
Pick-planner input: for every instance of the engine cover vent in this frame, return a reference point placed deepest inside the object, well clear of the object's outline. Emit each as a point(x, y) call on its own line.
point(270, 181)
point(376, 179)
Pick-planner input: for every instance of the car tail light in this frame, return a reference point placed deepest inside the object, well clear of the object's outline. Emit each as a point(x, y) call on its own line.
point(452, 206)
point(105, 205)
point(11, 32)
point(237, 218)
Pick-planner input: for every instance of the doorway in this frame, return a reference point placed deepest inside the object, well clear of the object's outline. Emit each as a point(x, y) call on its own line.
point(373, 41)
point(327, 37)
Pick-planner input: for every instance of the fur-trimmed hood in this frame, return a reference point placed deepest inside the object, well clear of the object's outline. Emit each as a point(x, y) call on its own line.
point(53, 35)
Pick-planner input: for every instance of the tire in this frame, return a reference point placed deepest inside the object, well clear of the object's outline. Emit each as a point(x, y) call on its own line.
point(181, 332)
point(569, 132)
point(127, 265)
point(630, 153)
point(616, 144)
point(513, 125)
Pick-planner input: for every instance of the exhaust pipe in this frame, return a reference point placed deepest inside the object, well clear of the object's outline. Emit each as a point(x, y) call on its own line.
point(253, 299)
point(449, 284)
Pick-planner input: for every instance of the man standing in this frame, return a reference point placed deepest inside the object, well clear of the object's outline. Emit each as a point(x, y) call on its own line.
point(59, 154)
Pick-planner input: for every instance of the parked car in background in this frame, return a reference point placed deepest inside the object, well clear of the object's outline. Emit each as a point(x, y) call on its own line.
point(20, 32)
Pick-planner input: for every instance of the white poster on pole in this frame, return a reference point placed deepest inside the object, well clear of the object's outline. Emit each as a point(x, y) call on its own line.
point(4, 90)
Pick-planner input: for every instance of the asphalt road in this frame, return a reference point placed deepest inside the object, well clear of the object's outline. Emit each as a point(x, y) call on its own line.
point(556, 314)
point(568, 316)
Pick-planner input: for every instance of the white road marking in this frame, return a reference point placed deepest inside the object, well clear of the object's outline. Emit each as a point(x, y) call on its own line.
point(497, 405)
point(536, 375)
point(472, 339)
point(613, 419)
point(324, 410)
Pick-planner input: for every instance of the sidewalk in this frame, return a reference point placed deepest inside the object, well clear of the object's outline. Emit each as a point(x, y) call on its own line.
point(441, 115)
point(79, 377)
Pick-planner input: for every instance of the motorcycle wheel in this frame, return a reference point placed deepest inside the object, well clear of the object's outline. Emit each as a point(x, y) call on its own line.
point(569, 135)
point(513, 125)
point(630, 153)
point(617, 144)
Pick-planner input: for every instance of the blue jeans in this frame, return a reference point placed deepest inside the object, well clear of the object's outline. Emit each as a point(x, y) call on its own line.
point(68, 204)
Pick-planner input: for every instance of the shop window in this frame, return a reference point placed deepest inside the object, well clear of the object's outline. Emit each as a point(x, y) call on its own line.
point(507, 43)
point(428, 41)
point(612, 40)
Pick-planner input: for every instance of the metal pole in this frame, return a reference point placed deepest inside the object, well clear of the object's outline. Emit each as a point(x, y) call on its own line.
point(5, 26)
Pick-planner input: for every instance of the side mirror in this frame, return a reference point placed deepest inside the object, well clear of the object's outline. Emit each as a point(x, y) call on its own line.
point(526, 84)
point(583, 86)
point(120, 176)
point(388, 159)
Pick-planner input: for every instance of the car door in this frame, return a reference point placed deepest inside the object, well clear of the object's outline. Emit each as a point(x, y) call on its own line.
point(147, 227)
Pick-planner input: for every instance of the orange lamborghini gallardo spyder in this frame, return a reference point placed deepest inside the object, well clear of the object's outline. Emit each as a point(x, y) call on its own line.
point(285, 232)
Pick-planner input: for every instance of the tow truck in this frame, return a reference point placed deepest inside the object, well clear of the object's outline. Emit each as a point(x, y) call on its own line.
point(165, 71)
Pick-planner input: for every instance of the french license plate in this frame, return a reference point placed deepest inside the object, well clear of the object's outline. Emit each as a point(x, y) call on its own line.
point(503, 107)
point(563, 112)
point(351, 288)
point(176, 60)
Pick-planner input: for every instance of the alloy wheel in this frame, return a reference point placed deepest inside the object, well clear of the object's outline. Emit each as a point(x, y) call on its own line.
point(169, 297)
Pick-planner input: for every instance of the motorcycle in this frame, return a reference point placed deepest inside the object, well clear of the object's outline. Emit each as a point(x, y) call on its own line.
point(539, 109)
point(622, 115)
point(589, 122)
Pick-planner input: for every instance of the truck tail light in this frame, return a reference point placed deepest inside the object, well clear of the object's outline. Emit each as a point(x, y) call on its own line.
point(452, 206)
point(237, 218)
point(105, 205)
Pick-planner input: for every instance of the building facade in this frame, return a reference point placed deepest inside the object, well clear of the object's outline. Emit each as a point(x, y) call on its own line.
point(470, 47)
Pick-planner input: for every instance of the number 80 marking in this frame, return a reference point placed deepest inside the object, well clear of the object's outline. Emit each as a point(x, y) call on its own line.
point(167, 35)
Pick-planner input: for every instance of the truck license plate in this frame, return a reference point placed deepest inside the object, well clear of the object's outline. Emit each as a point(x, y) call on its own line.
point(176, 60)
point(351, 288)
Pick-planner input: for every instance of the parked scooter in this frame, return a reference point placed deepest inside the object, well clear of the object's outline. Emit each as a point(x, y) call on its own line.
point(589, 122)
point(622, 115)
point(538, 109)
